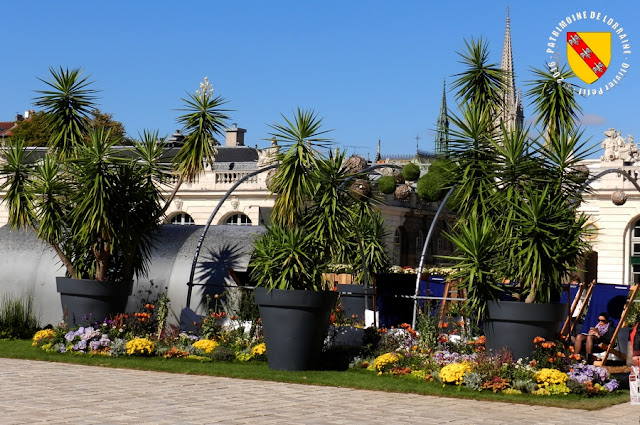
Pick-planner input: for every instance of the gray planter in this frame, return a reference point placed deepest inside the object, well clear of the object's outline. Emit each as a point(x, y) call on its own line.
point(295, 324)
point(513, 325)
point(91, 300)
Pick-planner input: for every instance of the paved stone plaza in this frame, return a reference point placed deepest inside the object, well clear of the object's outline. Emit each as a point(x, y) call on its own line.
point(34, 392)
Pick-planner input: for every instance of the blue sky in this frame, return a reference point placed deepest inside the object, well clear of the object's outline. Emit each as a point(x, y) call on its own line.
point(373, 69)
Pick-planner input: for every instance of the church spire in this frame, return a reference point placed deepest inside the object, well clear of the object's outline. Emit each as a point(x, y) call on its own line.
point(378, 158)
point(512, 111)
point(442, 134)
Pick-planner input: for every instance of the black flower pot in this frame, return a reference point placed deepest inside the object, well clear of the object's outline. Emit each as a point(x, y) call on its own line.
point(513, 325)
point(295, 324)
point(91, 300)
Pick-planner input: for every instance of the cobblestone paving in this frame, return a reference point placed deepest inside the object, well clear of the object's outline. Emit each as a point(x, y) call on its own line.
point(34, 392)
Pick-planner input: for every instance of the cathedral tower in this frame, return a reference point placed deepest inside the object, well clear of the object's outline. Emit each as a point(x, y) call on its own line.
point(442, 135)
point(512, 112)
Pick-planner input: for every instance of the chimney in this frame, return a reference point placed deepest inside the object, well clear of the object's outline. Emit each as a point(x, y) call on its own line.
point(235, 136)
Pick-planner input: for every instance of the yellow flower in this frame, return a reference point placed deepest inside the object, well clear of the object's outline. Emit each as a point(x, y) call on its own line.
point(140, 347)
point(259, 350)
point(385, 362)
point(42, 336)
point(547, 377)
point(453, 373)
point(206, 345)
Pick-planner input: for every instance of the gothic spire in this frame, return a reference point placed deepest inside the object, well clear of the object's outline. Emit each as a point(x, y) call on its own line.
point(378, 158)
point(442, 134)
point(511, 113)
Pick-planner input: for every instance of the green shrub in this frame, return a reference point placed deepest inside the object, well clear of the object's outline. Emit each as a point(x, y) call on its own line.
point(442, 166)
point(431, 187)
point(17, 318)
point(411, 172)
point(387, 184)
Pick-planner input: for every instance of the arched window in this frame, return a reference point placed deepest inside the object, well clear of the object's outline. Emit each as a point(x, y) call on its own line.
point(182, 219)
point(419, 245)
point(635, 252)
point(239, 220)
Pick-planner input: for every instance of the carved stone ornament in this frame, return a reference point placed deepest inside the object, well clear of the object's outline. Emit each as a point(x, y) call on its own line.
point(355, 164)
point(177, 202)
point(402, 192)
point(616, 148)
point(235, 202)
point(361, 189)
point(619, 197)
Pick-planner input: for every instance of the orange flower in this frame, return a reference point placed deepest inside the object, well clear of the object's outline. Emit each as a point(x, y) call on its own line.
point(560, 354)
point(551, 359)
point(538, 340)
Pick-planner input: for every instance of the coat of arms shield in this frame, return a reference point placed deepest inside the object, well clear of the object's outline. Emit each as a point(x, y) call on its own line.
point(589, 54)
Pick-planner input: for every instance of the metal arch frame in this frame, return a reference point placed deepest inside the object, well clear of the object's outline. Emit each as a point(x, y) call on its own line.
point(424, 250)
point(196, 255)
point(190, 283)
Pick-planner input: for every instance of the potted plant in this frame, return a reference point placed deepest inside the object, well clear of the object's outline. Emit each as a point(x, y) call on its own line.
point(95, 203)
point(318, 218)
point(519, 234)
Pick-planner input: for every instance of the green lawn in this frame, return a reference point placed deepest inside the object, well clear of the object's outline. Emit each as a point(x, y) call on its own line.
point(360, 379)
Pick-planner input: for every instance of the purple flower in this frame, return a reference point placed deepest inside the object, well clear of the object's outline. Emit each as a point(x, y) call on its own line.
point(94, 345)
point(611, 385)
point(69, 336)
point(80, 346)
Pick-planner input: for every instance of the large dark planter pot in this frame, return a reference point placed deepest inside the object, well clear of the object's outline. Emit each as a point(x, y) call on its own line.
point(514, 325)
point(295, 324)
point(91, 300)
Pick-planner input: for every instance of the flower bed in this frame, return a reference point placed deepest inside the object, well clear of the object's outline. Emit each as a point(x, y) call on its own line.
point(428, 353)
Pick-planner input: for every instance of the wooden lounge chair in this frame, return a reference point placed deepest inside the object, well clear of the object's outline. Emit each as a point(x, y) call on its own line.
point(587, 290)
point(610, 348)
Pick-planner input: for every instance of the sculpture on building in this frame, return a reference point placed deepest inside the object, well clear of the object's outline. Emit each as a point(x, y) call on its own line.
point(269, 155)
point(616, 148)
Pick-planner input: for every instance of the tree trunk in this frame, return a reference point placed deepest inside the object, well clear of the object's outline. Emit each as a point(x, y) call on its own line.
point(65, 261)
point(102, 255)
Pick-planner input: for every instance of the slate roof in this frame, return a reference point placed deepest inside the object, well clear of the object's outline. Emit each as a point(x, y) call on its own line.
point(5, 128)
point(225, 155)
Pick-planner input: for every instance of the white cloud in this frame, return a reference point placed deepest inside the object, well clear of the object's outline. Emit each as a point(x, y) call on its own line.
point(591, 119)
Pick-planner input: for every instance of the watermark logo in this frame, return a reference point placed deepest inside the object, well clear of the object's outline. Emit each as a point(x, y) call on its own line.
point(600, 59)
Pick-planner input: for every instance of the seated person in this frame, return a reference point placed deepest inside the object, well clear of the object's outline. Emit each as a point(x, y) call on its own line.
point(601, 333)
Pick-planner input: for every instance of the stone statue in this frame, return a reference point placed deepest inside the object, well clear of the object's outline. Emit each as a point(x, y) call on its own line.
point(268, 156)
point(615, 147)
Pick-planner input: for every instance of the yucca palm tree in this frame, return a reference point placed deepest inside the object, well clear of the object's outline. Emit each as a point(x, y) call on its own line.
point(517, 198)
point(554, 99)
point(317, 220)
point(68, 103)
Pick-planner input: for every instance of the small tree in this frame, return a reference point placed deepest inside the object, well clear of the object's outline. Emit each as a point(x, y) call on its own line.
point(97, 206)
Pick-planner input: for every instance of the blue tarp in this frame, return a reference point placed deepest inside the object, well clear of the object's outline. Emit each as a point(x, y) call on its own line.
point(605, 298)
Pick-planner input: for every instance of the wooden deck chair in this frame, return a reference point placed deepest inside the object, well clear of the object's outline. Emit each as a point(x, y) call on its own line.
point(451, 290)
point(587, 290)
point(610, 348)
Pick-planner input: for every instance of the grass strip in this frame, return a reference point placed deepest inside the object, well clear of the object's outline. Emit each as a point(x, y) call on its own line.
point(352, 378)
